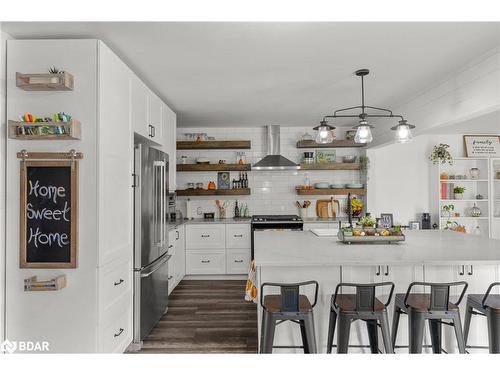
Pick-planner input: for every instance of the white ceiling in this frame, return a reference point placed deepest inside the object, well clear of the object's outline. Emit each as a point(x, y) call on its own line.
point(248, 74)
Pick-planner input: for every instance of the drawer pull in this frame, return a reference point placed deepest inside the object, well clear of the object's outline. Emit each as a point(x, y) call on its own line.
point(119, 332)
point(205, 261)
point(238, 235)
point(170, 277)
point(119, 282)
point(238, 261)
point(205, 235)
point(170, 246)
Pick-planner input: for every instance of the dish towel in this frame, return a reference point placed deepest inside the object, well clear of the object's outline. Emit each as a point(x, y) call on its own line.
point(251, 289)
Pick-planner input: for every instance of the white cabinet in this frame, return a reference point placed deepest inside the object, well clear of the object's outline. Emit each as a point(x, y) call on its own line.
point(177, 263)
point(206, 262)
point(155, 116)
point(145, 111)
point(237, 261)
point(238, 236)
point(169, 120)
point(205, 236)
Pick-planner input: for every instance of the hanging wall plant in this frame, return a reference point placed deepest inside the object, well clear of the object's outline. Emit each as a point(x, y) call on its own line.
point(441, 155)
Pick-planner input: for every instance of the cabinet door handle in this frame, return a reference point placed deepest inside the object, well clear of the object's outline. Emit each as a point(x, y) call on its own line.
point(119, 282)
point(471, 271)
point(150, 130)
point(177, 235)
point(386, 273)
point(205, 261)
point(462, 271)
point(238, 261)
point(205, 235)
point(238, 235)
point(170, 246)
point(170, 277)
point(153, 131)
point(119, 332)
point(378, 271)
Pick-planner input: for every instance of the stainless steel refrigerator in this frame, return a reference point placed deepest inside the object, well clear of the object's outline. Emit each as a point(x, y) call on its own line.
point(150, 238)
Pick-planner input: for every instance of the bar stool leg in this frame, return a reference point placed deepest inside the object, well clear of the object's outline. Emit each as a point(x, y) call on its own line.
point(268, 334)
point(386, 333)
point(493, 330)
point(343, 331)
point(395, 325)
point(416, 331)
point(371, 326)
point(303, 334)
point(310, 334)
point(435, 328)
point(468, 317)
point(263, 329)
point(457, 324)
point(331, 331)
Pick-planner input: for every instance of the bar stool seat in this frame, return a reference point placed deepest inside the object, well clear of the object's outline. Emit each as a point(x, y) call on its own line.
point(419, 301)
point(487, 305)
point(273, 303)
point(347, 303)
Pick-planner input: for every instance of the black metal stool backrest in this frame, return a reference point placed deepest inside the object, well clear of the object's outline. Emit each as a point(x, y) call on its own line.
point(483, 302)
point(365, 294)
point(440, 294)
point(290, 294)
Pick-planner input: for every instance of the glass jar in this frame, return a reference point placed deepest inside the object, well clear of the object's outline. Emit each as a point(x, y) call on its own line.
point(474, 173)
point(475, 211)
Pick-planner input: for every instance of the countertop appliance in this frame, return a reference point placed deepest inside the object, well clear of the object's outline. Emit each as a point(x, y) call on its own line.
point(274, 222)
point(150, 238)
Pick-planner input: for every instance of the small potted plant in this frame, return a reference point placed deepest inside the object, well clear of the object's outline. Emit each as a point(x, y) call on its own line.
point(441, 155)
point(368, 224)
point(447, 210)
point(458, 191)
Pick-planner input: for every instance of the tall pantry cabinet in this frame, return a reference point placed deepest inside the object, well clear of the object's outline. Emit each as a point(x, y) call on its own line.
point(94, 312)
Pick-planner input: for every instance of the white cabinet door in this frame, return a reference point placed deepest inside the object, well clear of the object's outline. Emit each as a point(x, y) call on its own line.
point(206, 262)
point(180, 250)
point(237, 261)
point(169, 120)
point(154, 117)
point(173, 263)
point(205, 236)
point(238, 236)
point(139, 107)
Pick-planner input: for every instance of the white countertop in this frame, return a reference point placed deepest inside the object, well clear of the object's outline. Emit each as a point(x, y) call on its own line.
point(296, 248)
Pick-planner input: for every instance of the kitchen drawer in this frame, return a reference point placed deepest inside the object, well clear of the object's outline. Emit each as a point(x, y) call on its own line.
point(237, 261)
point(200, 262)
point(115, 283)
point(238, 236)
point(117, 335)
point(209, 236)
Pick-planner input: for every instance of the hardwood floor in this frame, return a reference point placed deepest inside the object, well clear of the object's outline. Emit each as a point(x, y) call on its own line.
point(206, 316)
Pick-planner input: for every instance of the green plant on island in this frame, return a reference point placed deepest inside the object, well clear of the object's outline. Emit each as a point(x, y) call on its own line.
point(441, 155)
point(367, 221)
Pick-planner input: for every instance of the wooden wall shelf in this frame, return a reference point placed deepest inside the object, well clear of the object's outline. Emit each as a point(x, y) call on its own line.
point(45, 82)
point(213, 145)
point(330, 191)
point(331, 166)
point(213, 167)
point(71, 129)
point(205, 192)
point(335, 144)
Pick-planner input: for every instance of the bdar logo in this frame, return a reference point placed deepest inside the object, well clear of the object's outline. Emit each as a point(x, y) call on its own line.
point(8, 347)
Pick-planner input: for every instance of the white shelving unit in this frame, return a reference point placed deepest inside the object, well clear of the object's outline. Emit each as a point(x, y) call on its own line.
point(483, 185)
point(495, 198)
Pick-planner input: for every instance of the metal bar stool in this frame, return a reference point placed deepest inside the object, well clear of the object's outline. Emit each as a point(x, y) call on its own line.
point(289, 305)
point(363, 305)
point(433, 307)
point(486, 305)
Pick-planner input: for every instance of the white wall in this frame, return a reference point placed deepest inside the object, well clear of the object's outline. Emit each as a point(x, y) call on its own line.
point(273, 192)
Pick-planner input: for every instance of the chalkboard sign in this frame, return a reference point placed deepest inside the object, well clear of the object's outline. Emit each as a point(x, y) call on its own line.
point(49, 197)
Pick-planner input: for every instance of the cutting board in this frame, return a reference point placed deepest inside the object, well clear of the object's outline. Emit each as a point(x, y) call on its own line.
point(323, 208)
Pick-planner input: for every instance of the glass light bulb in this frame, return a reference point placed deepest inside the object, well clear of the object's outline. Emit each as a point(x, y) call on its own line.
point(403, 134)
point(324, 135)
point(363, 134)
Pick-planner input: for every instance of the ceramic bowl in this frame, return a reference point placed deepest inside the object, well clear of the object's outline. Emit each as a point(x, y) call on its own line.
point(322, 185)
point(349, 158)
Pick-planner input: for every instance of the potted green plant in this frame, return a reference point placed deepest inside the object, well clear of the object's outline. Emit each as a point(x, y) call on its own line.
point(458, 191)
point(368, 224)
point(447, 210)
point(364, 164)
point(441, 155)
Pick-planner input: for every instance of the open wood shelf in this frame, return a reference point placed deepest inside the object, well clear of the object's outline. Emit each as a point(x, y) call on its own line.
point(331, 166)
point(330, 191)
point(213, 167)
point(335, 144)
point(205, 192)
point(45, 82)
point(213, 145)
point(56, 130)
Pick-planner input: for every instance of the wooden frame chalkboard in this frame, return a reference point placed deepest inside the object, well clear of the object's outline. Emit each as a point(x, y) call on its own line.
point(49, 214)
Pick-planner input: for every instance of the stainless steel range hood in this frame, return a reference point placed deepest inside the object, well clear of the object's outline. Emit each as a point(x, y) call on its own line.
point(273, 160)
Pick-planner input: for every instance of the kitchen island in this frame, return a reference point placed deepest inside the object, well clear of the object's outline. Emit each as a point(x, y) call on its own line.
point(433, 256)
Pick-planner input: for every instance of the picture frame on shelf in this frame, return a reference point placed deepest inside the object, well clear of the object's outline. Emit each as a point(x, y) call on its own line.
point(482, 146)
point(386, 220)
point(326, 156)
point(223, 180)
point(414, 225)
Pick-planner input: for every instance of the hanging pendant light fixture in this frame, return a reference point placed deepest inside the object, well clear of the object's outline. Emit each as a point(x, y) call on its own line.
point(324, 132)
point(363, 129)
